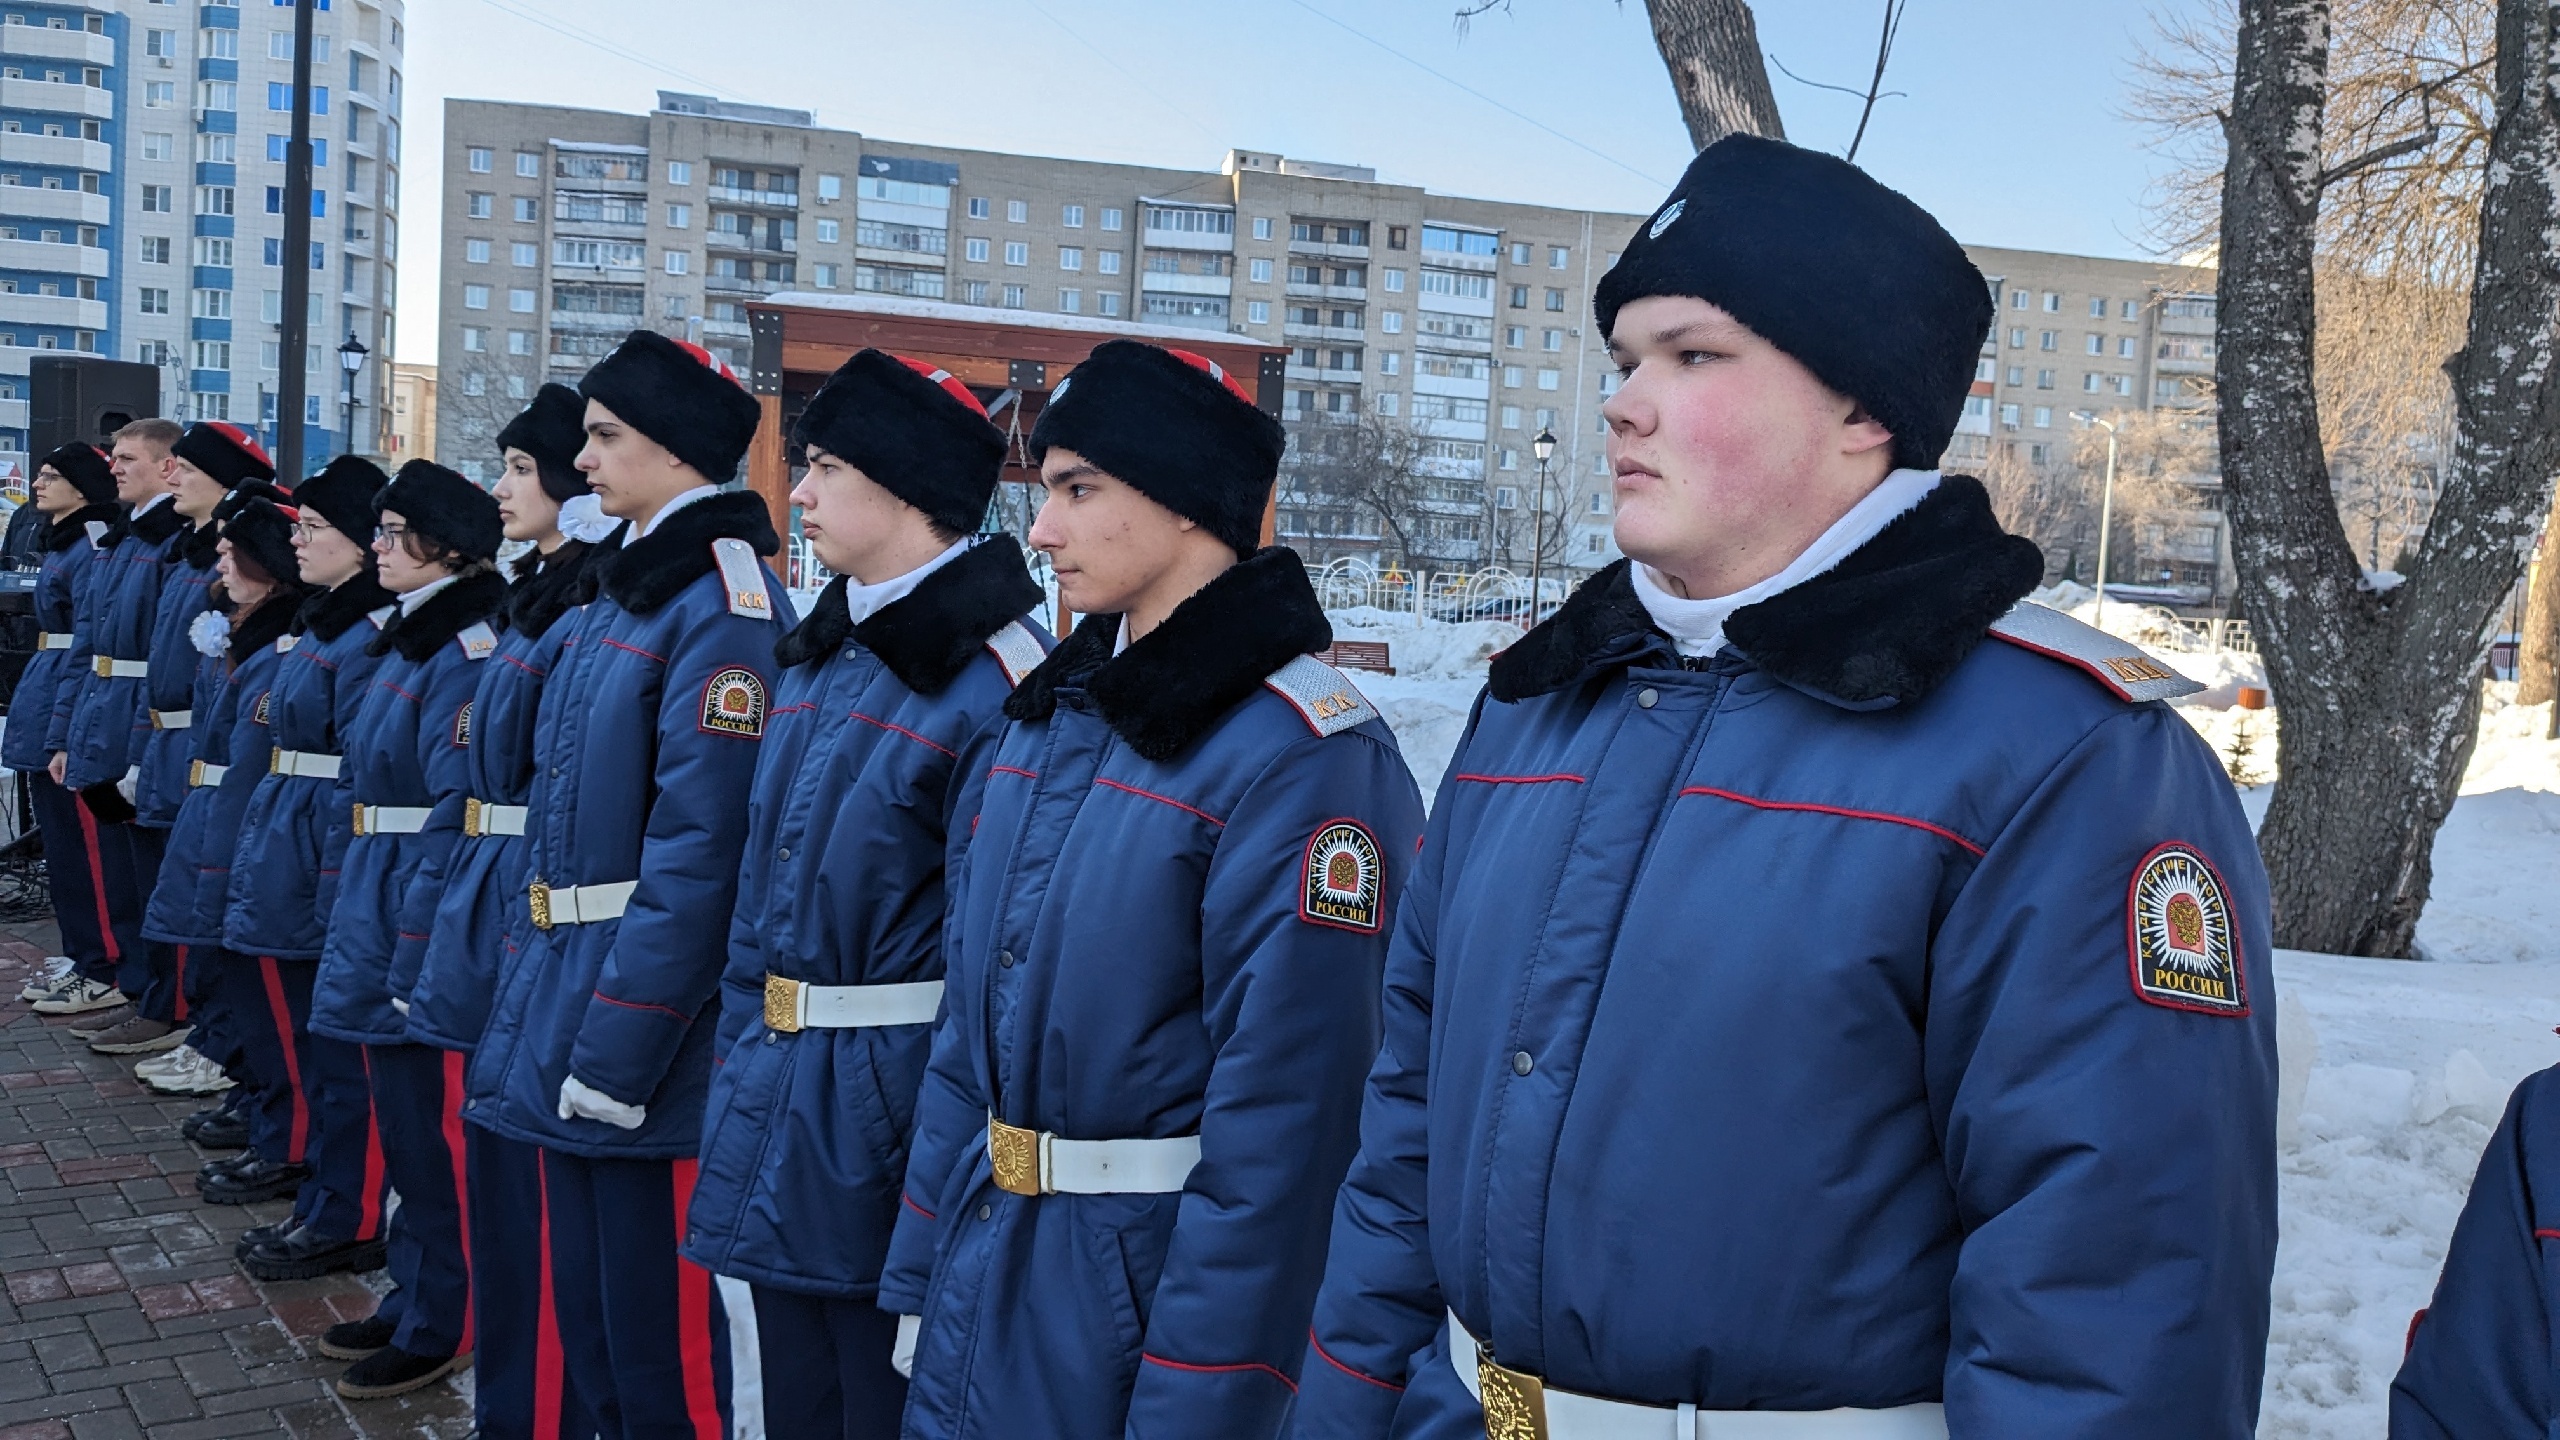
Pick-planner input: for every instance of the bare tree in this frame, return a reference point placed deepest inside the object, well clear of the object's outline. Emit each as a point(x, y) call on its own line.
point(467, 424)
point(2164, 461)
point(1381, 466)
point(2379, 687)
point(2538, 657)
point(1712, 49)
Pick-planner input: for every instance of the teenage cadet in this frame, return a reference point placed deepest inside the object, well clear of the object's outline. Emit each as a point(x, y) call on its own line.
point(108, 714)
point(293, 837)
point(75, 491)
point(436, 549)
point(598, 1049)
point(890, 694)
point(1802, 1005)
point(518, 1389)
point(1163, 958)
point(2484, 1358)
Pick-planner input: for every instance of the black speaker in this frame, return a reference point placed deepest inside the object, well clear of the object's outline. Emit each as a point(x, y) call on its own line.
point(86, 397)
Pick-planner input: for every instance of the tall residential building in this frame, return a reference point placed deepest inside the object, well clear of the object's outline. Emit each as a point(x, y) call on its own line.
point(413, 415)
point(192, 112)
point(62, 64)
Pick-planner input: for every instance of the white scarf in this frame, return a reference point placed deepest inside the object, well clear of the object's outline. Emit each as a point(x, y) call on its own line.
point(861, 601)
point(1696, 627)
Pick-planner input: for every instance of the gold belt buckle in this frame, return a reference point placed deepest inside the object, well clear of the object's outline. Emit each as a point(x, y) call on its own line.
point(1015, 1154)
point(1515, 1405)
point(195, 773)
point(782, 1005)
point(102, 666)
point(275, 759)
point(359, 821)
point(471, 815)
point(540, 898)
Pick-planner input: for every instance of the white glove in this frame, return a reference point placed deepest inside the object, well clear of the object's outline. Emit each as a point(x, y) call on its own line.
point(902, 1355)
point(403, 1007)
point(581, 1101)
point(130, 784)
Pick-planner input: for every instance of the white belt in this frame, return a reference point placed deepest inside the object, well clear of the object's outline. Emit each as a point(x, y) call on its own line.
point(479, 817)
point(119, 669)
point(311, 763)
point(579, 904)
point(1527, 1408)
point(173, 719)
point(1035, 1162)
point(391, 819)
point(47, 640)
point(790, 1006)
point(199, 774)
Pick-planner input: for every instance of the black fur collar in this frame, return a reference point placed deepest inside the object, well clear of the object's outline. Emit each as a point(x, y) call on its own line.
point(158, 523)
point(1173, 683)
point(328, 614)
point(647, 573)
point(198, 548)
point(263, 626)
point(549, 588)
point(929, 635)
point(446, 613)
point(62, 534)
point(1885, 626)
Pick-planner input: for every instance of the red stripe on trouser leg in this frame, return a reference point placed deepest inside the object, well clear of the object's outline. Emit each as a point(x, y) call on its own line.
point(546, 1329)
point(369, 1199)
point(182, 982)
point(283, 1014)
point(97, 876)
point(451, 1108)
point(693, 1319)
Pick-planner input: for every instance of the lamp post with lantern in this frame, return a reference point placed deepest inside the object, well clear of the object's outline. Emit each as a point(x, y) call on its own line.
point(1544, 447)
point(350, 360)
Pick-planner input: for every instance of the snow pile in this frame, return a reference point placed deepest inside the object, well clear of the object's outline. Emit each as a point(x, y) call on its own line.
point(1439, 669)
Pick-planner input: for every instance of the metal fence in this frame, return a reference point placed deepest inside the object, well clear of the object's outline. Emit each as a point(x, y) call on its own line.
point(1493, 593)
point(2157, 628)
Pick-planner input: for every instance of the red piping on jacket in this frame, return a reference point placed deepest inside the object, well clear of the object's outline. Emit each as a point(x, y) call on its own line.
point(1756, 803)
point(903, 730)
point(1220, 1369)
point(1327, 1357)
point(1164, 800)
point(1520, 779)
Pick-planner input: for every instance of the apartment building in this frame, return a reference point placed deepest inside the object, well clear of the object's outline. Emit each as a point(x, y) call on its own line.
point(169, 198)
point(413, 415)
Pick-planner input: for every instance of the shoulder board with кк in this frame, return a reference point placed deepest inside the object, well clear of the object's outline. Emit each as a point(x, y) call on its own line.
point(1326, 697)
point(743, 578)
point(382, 616)
point(284, 643)
point(1017, 650)
point(2120, 665)
point(479, 642)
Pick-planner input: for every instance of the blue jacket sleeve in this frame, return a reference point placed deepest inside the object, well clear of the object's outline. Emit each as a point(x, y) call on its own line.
point(1291, 1004)
point(2482, 1360)
point(80, 661)
point(446, 763)
point(742, 978)
point(2111, 1154)
point(667, 954)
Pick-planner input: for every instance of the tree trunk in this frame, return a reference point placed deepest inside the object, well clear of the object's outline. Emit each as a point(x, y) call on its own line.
point(1712, 49)
point(2538, 657)
point(2380, 692)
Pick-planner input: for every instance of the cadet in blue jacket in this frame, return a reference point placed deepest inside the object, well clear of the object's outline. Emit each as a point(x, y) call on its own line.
point(890, 695)
point(599, 1047)
point(436, 549)
point(75, 491)
point(1804, 1006)
point(1163, 954)
point(2482, 1362)
point(518, 1390)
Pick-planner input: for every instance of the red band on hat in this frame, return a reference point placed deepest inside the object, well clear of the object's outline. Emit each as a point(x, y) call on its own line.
point(711, 362)
point(1212, 369)
point(241, 438)
point(950, 384)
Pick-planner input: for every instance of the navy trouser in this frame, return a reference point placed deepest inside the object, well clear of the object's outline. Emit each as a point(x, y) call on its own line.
point(642, 1331)
point(325, 1112)
point(126, 879)
point(163, 995)
point(210, 1007)
point(73, 875)
point(826, 1372)
point(417, 1101)
point(522, 1390)
point(271, 1001)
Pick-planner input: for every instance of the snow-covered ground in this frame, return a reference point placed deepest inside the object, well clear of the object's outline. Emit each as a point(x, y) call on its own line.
point(2395, 1071)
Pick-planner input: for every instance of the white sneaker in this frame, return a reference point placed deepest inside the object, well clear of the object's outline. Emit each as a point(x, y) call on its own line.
point(78, 996)
point(167, 1062)
point(48, 977)
point(200, 1077)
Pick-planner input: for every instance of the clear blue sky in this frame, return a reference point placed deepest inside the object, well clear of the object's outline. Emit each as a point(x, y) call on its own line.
point(2010, 128)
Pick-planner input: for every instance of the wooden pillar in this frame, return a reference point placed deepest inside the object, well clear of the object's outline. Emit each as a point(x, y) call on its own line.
point(769, 466)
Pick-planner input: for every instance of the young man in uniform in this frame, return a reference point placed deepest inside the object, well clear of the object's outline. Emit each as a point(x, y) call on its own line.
point(890, 692)
point(1163, 957)
point(599, 1048)
point(1824, 988)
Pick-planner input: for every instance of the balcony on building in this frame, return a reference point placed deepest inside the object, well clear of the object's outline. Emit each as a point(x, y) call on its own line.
point(591, 165)
point(765, 189)
point(56, 257)
point(1187, 225)
point(69, 311)
point(35, 202)
point(1329, 239)
point(67, 43)
point(57, 97)
point(65, 152)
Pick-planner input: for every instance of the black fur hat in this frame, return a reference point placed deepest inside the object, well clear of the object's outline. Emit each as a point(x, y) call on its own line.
point(914, 429)
point(262, 533)
point(553, 429)
point(441, 506)
point(681, 396)
point(80, 463)
point(224, 451)
point(1175, 426)
point(342, 494)
point(1860, 285)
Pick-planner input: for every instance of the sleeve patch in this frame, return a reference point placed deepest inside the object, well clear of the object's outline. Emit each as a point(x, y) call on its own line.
point(743, 579)
point(733, 703)
point(258, 715)
point(2184, 952)
point(1342, 883)
point(462, 725)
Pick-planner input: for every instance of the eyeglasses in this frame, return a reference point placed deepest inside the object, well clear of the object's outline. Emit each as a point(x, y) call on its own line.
point(391, 531)
point(312, 529)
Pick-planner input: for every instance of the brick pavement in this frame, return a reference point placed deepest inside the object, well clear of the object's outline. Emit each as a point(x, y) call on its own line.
point(124, 1313)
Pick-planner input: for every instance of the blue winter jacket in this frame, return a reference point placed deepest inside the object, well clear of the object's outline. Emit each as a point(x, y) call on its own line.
point(2484, 1358)
point(406, 750)
point(876, 727)
point(1870, 1016)
point(480, 881)
point(231, 730)
point(645, 750)
point(174, 686)
point(1171, 923)
point(293, 835)
point(40, 708)
point(112, 715)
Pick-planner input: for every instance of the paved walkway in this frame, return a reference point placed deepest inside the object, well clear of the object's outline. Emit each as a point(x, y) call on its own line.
point(125, 1314)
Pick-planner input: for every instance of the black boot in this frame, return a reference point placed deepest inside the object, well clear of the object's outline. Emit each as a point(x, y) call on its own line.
point(255, 1181)
point(356, 1339)
point(224, 1166)
point(216, 1129)
point(393, 1371)
point(305, 1254)
point(258, 1235)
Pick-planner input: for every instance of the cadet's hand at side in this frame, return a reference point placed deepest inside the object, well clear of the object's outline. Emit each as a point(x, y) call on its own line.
point(580, 1101)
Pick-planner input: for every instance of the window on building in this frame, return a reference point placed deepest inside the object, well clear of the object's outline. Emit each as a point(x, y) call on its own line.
point(2124, 347)
point(2130, 310)
point(2048, 339)
point(1514, 376)
point(1261, 227)
point(520, 301)
point(679, 172)
point(1071, 216)
point(1259, 271)
point(219, 200)
point(526, 254)
point(823, 276)
point(528, 210)
point(475, 384)
point(1070, 257)
point(1519, 297)
point(1108, 263)
point(1107, 303)
point(1070, 301)
point(2124, 384)
point(830, 232)
point(2053, 301)
point(2089, 381)
point(2097, 344)
point(1549, 378)
point(1555, 299)
point(156, 200)
point(1391, 322)
point(980, 207)
point(1551, 340)
point(1390, 362)
point(2044, 379)
point(1017, 212)
point(475, 297)
point(475, 252)
point(155, 250)
point(2016, 375)
point(679, 262)
point(153, 301)
point(159, 145)
point(478, 204)
point(975, 248)
point(1519, 252)
point(476, 159)
point(2044, 417)
point(1558, 257)
point(1017, 252)
point(1392, 281)
point(1110, 221)
point(831, 189)
point(679, 217)
point(213, 355)
point(1258, 312)
point(2009, 416)
point(1017, 297)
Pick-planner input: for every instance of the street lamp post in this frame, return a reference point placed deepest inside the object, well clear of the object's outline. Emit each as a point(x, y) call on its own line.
point(1544, 446)
point(351, 359)
point(2106, 507)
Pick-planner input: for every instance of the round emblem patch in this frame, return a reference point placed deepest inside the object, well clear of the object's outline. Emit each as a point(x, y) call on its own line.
point(1343, 879)
point(733, 703)
point(2185, 955)
point(1663, 221)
